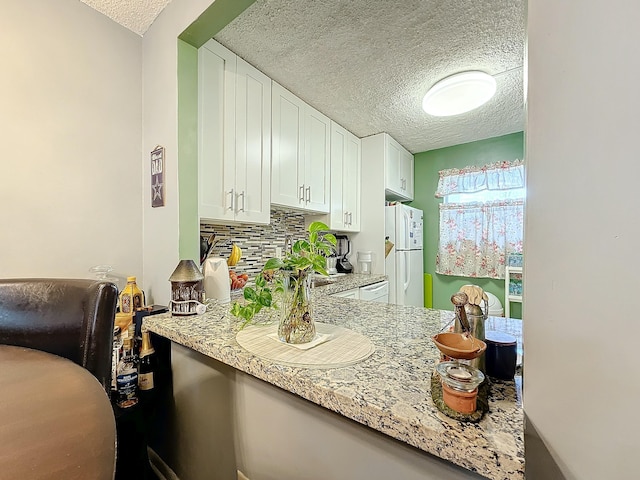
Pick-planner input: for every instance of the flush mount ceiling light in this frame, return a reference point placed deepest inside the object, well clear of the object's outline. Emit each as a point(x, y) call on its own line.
point(459, 93)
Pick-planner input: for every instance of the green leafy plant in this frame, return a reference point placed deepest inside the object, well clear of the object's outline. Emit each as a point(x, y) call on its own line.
point(306, 256)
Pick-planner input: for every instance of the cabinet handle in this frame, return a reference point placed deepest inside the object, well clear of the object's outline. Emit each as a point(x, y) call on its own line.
point(346, 218)
point(309, 193)
point(350, 218)
point(241, 195)
point(301, 193)
point(232, 202)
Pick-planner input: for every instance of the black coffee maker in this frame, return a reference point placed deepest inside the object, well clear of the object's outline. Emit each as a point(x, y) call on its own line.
point(343, 247)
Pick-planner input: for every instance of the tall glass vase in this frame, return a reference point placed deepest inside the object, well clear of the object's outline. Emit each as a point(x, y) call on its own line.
point(296, 317)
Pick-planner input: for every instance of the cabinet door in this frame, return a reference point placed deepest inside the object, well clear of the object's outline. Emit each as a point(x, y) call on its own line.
point(317, 142)
point(287, 169)
point(345, 180)
point(351, 184)
point(393, 165)
point(338, 219)
point(353, 293)
point(216, 120)
point(253, 144)
point(407, 174)
point(398, 171)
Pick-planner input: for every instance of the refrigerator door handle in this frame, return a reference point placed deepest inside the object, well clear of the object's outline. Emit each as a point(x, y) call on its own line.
point(400, 275)
point(406, 228)
point(407, 270)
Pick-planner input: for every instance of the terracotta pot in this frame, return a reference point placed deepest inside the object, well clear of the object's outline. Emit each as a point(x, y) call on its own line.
point(461, 402)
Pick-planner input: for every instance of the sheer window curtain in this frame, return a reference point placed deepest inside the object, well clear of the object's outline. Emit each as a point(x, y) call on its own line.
point(476, 236)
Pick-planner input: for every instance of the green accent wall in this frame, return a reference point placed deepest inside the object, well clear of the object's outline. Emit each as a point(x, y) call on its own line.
point(427, 166)
point(214, 19)
point(189, 225)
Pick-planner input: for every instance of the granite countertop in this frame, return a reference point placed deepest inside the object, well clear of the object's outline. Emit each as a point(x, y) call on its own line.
point(390, 390)
point(336, 284)
point(347, 282)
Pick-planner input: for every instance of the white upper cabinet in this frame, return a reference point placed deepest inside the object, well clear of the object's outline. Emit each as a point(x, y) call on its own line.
point(287, 171)
point(407, 169)
point(300, 154)
point(397, 162)
point(345, 180)
point(317, 160)
point(398, 168)
point(234, 138)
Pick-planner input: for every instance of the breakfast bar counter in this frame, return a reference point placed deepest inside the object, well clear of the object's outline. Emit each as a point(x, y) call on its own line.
point(389, 391)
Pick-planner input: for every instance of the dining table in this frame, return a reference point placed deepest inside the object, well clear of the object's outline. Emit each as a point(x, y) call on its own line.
point(56, 419)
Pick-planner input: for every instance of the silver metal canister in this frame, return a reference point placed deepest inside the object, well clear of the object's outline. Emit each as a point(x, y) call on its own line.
point(476, 318)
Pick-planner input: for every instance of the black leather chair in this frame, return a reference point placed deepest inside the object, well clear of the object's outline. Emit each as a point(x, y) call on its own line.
point(70, 318)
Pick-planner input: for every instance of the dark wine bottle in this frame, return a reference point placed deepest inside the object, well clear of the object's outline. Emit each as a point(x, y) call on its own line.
point(146, 365)
point(127, 377)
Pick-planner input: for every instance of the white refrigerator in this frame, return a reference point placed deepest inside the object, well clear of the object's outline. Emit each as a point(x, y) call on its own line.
point(403, 265)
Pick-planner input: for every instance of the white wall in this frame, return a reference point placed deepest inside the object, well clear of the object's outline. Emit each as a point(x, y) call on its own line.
point(201, 423)
point(223, 418)
point(582, 235)
point(279, 435)
point(160, 87)
point(371, 235)
point(70, 123)
point(70, 193)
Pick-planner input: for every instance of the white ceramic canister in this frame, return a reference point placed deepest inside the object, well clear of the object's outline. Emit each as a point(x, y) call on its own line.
point(216, 279)
point(365, 261)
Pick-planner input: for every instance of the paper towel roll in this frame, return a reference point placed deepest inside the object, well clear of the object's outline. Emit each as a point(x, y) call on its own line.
point(216, 279)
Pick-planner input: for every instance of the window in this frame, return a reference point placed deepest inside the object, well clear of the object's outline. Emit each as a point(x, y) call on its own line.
point(481, 219)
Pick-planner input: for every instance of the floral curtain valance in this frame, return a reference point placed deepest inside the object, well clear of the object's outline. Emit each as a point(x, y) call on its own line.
point(495, 176)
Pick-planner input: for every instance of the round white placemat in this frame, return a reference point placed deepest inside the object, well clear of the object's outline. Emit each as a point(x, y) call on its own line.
point(340, 347)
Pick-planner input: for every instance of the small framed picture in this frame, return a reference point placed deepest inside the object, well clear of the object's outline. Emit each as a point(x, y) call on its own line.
point(157, 177)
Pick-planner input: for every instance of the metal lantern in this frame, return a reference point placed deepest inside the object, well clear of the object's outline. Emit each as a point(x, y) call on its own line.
point(187, 289)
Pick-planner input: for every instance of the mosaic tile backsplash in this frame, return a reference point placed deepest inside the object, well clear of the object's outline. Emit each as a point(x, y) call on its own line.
point(258, 242)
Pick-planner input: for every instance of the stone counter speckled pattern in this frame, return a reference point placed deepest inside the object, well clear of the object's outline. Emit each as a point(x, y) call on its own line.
point(389, 391)
point(347, 282)
point(337, 284)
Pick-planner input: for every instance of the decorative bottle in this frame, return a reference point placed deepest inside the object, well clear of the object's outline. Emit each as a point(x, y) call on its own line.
point(127, 377)
point(147, 365)
point(131, 297)
point(115, 360)
point(135, 343)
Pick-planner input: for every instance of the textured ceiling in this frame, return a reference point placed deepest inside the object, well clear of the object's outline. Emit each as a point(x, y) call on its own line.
point(136, 15)
point(367, 63)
